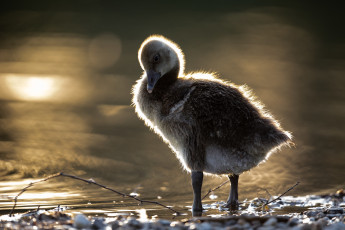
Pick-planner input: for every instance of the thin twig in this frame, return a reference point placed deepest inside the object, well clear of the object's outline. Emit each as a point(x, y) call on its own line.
point(268, 202)
point(214, 189)
point(30, 185)
point(89, 182)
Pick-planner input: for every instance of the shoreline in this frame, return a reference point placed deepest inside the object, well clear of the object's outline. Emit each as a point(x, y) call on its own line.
point(321, 212)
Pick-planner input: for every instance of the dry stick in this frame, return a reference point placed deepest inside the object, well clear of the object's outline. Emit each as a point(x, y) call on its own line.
point(214, 189)
point(89, 182)
point(28, 186)
point(297, 183)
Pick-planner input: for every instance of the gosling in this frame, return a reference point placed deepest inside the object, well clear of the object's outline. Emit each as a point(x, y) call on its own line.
point(212, 126)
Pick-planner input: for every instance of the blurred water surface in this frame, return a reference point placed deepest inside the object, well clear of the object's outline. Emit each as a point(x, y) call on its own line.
point(66, 73)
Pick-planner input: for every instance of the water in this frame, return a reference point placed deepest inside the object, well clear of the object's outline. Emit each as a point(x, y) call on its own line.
point(65, 79)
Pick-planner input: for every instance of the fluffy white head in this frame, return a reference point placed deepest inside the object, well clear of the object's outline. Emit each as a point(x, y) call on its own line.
point(169, 48)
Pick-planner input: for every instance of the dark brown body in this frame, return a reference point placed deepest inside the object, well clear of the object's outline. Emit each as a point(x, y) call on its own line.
point(211, 113)
point(212, 126)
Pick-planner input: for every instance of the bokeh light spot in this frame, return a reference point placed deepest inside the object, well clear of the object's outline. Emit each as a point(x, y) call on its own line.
point(104, 51)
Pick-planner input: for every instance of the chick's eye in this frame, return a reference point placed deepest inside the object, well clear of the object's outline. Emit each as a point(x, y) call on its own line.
point(156, 58)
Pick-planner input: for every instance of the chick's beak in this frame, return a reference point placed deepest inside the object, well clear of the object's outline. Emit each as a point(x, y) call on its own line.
point(152, 78)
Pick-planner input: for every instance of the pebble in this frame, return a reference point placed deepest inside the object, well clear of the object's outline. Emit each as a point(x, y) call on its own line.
point(266, 228)
point(164, 222)
point(133, 222)
point(293, 222)
point(205, 226)
point(114, 224)
point(320, 215)
point(230, 222)
point(271, 222)
point(81, 221)
point(176, 225)
point(328, 217)
point(98, 224)
point(241, 222)
point(335, 211)
point(311, 213)
point(336, 226)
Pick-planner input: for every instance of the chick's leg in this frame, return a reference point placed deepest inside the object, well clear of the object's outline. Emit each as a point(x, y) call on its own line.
point(232, 202)
point(197, 178)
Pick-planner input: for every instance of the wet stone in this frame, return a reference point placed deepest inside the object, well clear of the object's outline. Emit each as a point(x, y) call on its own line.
point(193, 226)
point(133, 222)
point(280, 225)
point(230, 222)
point(235, 227)
point(98, 224)
point(176, 225)
point(242, 222)
point(114, 224)
point(205, 226)
point(320, 215)
point(271, 222)
point(256, 224)
point(81, 221)
point(306, 227)
point(332, 216)
point(293, 222)
point(266, 228)
point(335, 211)
point(336, 226)
point(164, 222)
point(311, 213)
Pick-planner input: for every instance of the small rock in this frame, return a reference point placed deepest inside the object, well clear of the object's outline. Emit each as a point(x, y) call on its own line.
point(271, 222)
point(164, 222)
point(81, 221)
point(293, 222)
point(176, 225)
point(133, 222)
point(235, 227)
point(340, 193)
point(241, 222)
point(98, 224)
point(322, 222)
point(114, 225)
point(335, 211)
point(320, 215)
point(205, 226)
point(256, 224)
point(147, 226)
point(230, 222)
point(331, 216)
point(306, 227)
point(193, 226)
point(296, 228)
point(266, 228)
point(311, 213)
point(44, 217)
point(280, 225)
point(336, 226)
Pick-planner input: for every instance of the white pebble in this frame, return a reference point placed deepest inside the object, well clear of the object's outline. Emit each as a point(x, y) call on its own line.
point(81, 221)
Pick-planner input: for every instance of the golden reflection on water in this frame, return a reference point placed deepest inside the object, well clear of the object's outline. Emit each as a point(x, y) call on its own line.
point(32, 87)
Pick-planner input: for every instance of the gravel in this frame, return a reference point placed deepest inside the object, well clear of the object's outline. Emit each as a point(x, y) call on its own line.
point(328, 215)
